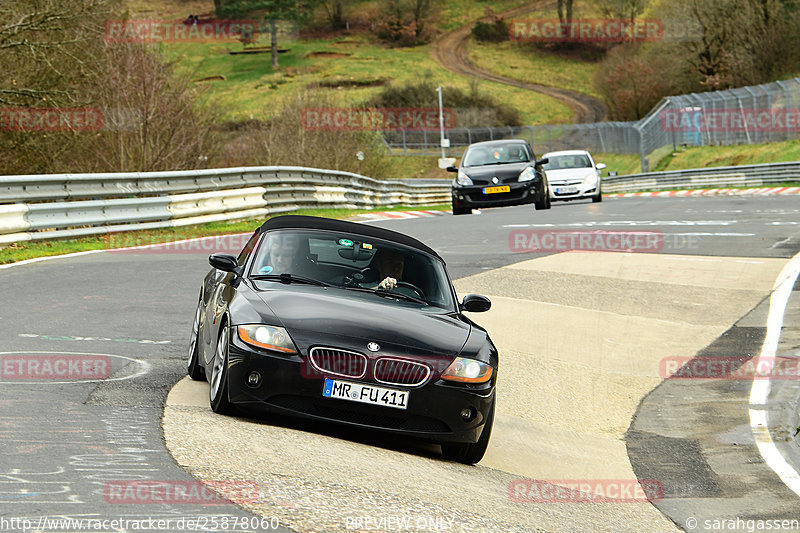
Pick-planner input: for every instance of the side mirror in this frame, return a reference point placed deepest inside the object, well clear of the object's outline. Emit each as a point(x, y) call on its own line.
point(224, 262)
point(543, 161)
point(451, 168)
point(600, 166)
point(475, 303)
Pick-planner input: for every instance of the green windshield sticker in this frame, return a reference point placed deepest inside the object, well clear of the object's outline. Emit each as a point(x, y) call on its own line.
point(345, 242)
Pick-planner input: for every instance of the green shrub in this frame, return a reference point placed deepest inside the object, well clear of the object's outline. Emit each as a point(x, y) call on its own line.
point(473, 108)
point(495, 32)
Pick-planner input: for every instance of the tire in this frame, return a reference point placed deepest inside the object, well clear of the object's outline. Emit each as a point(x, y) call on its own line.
point(598, 198)
point(544, 203)
point(218, 391)
point(195, 371)
point(471, 453)
point(462, 210)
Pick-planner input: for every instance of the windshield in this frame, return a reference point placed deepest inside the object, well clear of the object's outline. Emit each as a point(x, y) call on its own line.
point(352, 261)
point(477, 156)
point(558, 162)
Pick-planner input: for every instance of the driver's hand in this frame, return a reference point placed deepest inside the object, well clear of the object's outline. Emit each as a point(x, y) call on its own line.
point(388, 283)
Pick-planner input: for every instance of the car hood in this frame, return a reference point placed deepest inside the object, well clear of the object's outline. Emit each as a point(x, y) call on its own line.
point(505, 173)
point(350, 319)
point(568, 174)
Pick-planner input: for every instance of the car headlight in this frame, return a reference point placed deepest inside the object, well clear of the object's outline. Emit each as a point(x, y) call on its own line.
point(266, 337)
point(468, 371)
point(591, 179)
point(463, 179)
point(526, 175)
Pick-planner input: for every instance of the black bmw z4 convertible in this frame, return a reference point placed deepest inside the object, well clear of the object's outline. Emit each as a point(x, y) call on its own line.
point(345, 322)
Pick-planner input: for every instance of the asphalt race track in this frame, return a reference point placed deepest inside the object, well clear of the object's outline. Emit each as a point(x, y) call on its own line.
point(586, 340)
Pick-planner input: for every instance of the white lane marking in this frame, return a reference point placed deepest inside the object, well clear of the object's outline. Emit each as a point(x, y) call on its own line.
point(47, 258)
point(604, 223)
point(75, 338)
point(778, 243)
point(704, 234)
point(759, 393)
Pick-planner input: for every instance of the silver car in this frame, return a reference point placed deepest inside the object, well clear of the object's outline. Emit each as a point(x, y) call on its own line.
point(573, 175)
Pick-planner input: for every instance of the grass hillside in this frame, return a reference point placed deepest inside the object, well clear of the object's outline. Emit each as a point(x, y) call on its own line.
point(354, 63)
point(353, 66)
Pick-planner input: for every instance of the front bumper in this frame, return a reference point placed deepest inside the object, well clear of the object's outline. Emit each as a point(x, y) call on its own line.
point(573, 191)
point(287, 387)
point(526, 192)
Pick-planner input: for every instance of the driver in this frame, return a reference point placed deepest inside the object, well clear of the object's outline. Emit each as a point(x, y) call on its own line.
point(390, 268)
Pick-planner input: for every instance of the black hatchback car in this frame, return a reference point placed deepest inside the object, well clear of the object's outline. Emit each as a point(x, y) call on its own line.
point(499, 173)
point(345, 322)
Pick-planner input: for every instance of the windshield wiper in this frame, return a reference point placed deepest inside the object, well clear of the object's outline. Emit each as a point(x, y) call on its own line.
point(290, 278)
point(384, 293)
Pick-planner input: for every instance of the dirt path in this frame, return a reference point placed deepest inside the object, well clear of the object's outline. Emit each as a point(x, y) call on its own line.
point(450, 51)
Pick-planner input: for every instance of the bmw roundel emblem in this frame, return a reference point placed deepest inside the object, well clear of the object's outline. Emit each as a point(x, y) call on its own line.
point(373, 346)
point(495, 180)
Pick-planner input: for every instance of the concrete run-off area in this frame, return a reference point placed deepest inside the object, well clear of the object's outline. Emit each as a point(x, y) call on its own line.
point(581, 337)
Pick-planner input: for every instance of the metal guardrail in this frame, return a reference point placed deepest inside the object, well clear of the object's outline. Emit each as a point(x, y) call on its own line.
point(73, 205)
point(63, 206)
point(698, 178)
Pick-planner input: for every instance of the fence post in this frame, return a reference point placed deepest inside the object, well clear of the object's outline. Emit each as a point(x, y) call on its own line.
point(642, 158)
point(531, 130)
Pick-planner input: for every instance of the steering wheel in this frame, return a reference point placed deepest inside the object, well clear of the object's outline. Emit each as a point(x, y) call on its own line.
point(411, 287)
point(357, 278)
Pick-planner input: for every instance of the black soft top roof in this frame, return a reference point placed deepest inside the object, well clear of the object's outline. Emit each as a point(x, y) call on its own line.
point(331, 224)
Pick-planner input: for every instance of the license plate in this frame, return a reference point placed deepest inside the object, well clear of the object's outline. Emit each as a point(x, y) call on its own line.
point(363, 393)
point(493, 190)
point(566, 190)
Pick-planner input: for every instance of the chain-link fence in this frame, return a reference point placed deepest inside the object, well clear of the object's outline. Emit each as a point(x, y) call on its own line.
point(747, 115)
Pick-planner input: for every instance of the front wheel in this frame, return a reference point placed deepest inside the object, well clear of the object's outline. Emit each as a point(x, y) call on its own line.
point(218, 392)
point(193, 367)
point(471, 453)
point(598, 198)
point(544, 203)
point(462, 210)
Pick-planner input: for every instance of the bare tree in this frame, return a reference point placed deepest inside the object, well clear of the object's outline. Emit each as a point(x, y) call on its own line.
point(54, 58)
point(335, 13)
